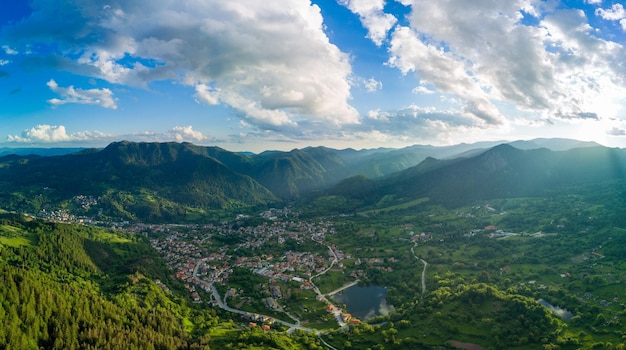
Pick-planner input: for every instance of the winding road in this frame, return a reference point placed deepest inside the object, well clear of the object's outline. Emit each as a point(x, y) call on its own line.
point(423, 271)
point(292, 326)
point(206, 285)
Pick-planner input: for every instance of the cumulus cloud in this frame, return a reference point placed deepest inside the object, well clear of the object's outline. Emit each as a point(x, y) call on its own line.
point(371, 85)
point(414, 123)
point(186, 133)
point(422, 89)
point(55, 133)
point(615, 13)
point(442, 70)
point(206, 94)
point(372, 17)
point(593, 1)
point(100, 97)
point(270, 61)
point(175, 134)
point(46, 134)
point(486, 53)
point(376, 114)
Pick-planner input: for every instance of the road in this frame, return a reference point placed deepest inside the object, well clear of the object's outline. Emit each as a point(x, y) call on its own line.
point(206, 285)
point(330, 294)
point(292, 326)
point(423, 271)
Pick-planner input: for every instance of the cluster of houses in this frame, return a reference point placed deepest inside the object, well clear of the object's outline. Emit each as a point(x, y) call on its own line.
point(185, 246)
point(255, 319)
point(342, 315)
point(85, 202)
point(57, 215)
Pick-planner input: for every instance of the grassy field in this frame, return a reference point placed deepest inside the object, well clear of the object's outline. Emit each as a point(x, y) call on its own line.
point(14, 237)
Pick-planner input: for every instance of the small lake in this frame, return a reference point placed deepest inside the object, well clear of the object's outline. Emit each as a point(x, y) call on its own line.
point(364, 302)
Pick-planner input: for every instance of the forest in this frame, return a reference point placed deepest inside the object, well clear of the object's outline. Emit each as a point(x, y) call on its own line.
point(76, 287)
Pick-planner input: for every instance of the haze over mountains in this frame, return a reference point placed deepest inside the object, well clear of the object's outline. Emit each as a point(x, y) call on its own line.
point(170, 177)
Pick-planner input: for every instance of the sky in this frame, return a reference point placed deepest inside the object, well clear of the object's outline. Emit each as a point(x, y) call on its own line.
point(249, 75)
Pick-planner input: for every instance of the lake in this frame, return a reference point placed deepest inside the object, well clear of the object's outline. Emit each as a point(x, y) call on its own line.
point(364, 302)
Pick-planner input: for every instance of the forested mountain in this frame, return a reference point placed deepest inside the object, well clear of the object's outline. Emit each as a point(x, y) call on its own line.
point(500, 172)
point(78, 287)
point(4, 151)
point(65, 287)
point(72, 286)
point(152, 181)
point(162, 181)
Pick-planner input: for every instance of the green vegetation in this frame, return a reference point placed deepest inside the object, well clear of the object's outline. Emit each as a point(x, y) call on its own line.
point(77, 287)
point(482, 285)
point(523, 249)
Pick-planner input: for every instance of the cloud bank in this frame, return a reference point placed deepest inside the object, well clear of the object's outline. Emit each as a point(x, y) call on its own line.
point(55, 133)
point(47, 134)
point(270, 61)
point(495, 57)
point(493, 65)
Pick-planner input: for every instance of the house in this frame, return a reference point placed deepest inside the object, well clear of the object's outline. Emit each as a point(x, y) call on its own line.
point(421, 237)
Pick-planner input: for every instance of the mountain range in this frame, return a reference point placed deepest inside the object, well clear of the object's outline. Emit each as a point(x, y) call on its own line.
point(148, 181)
point(499, 172)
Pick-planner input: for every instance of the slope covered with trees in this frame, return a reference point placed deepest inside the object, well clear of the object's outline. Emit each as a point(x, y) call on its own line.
point(75, 287)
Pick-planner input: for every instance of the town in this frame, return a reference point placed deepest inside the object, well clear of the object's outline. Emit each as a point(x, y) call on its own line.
point(192, 253)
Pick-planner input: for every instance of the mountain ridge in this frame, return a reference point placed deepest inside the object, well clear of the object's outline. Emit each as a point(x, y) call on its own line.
point(501, 171)
point(149, 180)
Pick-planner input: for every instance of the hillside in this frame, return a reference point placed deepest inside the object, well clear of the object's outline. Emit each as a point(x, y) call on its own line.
point(76, 287)
point(150, 181)
point(66, 287)
point(500, 172)
point(158, 182)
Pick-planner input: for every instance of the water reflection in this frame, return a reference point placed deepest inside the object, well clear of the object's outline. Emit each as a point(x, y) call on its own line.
point(364, 302)
point(562, 313)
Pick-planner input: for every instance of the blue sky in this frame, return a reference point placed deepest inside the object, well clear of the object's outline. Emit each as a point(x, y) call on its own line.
point(254, 75)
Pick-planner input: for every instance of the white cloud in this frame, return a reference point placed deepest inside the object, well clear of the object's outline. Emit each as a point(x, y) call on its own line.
point(442, 70)
point(55, 133)
point(372, 85)
point(4, 62)
point(8, 50)
point(615, 13)
point(593, 1)
point(372, 17)
point(206, 94)
point(270, 61)
point(422, 89)
point(376, 114)
point(100, 97)
point(487, 56)
point(186, 133)
point(45, 134)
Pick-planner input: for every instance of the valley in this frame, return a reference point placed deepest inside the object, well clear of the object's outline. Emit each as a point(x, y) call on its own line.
point(538, 268)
